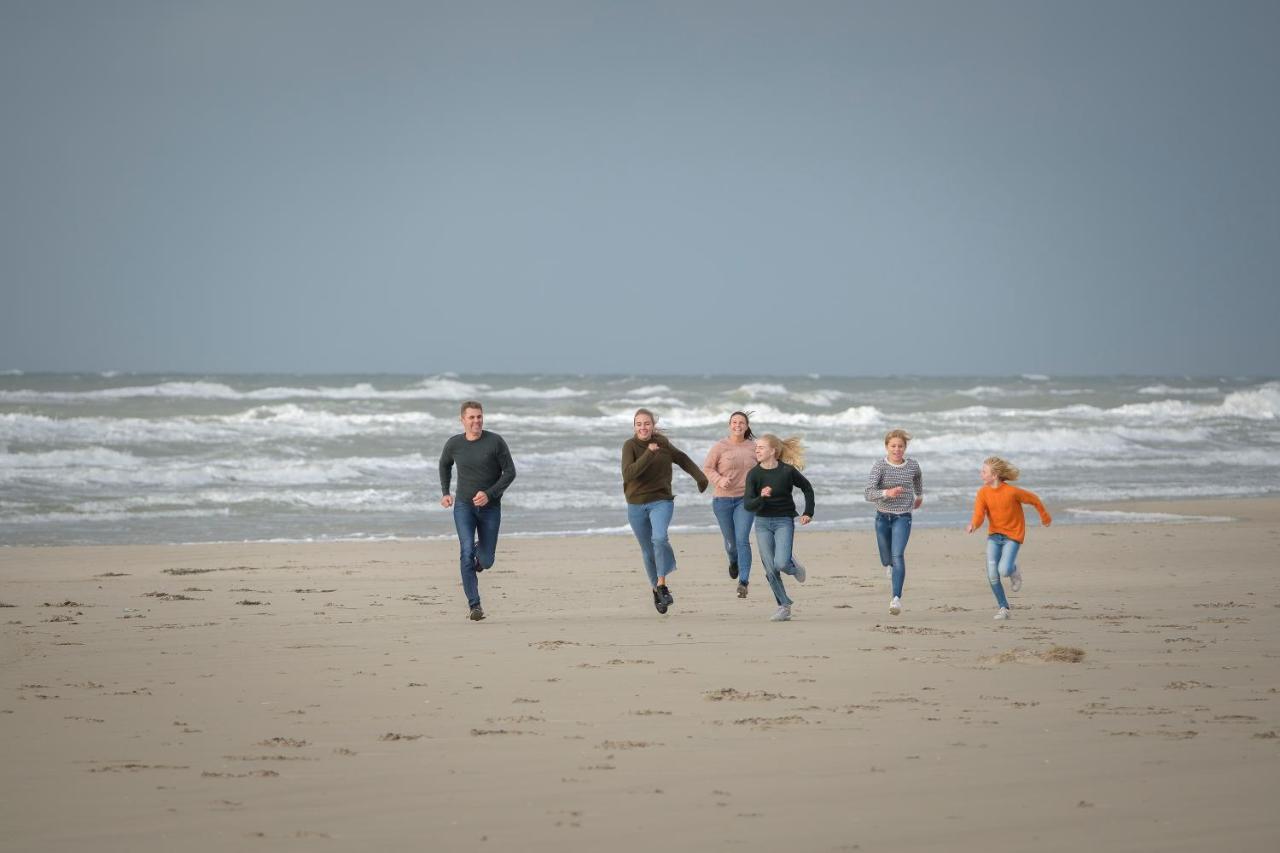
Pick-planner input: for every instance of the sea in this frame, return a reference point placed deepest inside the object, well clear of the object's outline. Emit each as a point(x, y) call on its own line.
point(121, 458)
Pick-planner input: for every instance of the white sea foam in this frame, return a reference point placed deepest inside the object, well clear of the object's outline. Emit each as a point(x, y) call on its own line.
point(1168, 390)
point(649, 391)
point(1035, 377)
point(520, 393)
point(755, 390)
point(1122, 517)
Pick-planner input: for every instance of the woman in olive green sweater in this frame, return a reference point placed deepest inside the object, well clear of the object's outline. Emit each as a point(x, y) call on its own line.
point(647, 458)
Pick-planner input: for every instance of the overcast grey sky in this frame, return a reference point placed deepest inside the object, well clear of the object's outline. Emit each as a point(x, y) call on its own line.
point(689, 187)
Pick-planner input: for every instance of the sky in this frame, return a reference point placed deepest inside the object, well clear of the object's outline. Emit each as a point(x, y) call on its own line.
point(852, 188)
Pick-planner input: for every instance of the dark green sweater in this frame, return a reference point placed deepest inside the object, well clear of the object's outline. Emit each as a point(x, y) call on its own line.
point(779, 504)
point(646, 474)
point(484, 465)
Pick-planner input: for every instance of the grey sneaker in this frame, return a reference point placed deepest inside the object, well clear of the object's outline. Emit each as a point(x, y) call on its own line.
point(895, 606)
point(742, 590)
point(1015, 580)
point(1002, 614)
point(782, 615)
point(477, 613)
point(798, 570)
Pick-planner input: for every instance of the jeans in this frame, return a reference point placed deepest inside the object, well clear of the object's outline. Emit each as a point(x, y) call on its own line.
point(774, 536)
point(892, 533)
point(649, 522)
point(478, 540)
point(1002, 561)
point(735, 525)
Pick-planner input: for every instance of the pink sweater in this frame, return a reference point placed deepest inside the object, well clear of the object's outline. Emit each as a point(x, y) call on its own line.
point(727, 466)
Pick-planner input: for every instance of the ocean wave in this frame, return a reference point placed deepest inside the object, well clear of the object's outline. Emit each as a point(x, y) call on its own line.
point(520, 393)
point(1168, 390)
point(649, 390)
point(755, 390)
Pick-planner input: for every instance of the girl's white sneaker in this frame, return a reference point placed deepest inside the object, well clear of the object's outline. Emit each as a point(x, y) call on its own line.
point(1002, 614)
point(895, 606)
point(782, 615)
point(1015, 580)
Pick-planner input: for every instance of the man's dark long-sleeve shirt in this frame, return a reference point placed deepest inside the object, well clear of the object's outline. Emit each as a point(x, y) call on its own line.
point(484, 465)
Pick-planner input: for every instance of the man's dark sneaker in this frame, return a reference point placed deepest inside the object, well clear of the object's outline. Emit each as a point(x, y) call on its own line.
point(659, 600)
point(666, 593)
point(742, 589)
point(733, 570)
point(477, 613)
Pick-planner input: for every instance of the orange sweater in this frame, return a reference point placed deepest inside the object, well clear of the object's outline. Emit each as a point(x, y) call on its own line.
point(1003, 506)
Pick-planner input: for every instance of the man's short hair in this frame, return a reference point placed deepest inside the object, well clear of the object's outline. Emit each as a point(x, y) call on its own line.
point(470, 404)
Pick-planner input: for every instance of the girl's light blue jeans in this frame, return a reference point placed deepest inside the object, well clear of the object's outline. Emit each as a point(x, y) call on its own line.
point(1002, 561)
point(774, 536)
point(649, 522)
point(892, 533)
point(735, 526)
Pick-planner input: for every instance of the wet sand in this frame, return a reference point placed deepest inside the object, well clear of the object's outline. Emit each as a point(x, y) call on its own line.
point(335, 697)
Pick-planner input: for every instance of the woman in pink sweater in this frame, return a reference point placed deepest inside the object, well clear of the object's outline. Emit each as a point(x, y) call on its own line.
point(726, 467)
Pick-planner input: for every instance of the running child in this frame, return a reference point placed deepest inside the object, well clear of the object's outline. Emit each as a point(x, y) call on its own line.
point(896, 487)
point(768, 495)
point(1000, 504)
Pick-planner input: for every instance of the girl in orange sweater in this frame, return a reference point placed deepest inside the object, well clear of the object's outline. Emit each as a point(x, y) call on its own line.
point(1001, 505)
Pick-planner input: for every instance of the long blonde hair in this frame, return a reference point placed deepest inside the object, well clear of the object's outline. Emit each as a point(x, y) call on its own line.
point(789, 450)
point(1003, 470)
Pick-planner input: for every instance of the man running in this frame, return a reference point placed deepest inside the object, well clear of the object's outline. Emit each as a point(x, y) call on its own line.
point(485, 470)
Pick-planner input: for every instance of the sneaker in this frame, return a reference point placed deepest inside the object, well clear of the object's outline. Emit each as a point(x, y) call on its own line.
point(798, 571)
point(666, 594)
point(476, 613)
point(782, 615)
point(659, 600)
point(1002, 614)
point(742, 589)
point(895, 606)
point(1015, 580)
point(733, 570)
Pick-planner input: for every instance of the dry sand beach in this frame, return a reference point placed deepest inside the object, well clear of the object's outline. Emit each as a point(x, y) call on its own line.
point(334, 697)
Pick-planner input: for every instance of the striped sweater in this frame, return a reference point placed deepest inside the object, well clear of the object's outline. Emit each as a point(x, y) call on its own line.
point(885, 475)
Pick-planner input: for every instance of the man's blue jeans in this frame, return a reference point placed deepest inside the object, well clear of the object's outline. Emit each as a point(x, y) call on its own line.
point(774, 536)
point(1002, 561)
point(649, 522)
point(735, 526)
point(478, 540)
point(892, 533)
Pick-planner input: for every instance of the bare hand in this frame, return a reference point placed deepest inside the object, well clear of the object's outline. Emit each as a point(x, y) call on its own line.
point(446, 501)
point(1049, 522)
point(918, 503)
point(968, 529)
point(653, 445)
point(481, 499)
point(766, 492)
point(804, 519)
point(894, 492)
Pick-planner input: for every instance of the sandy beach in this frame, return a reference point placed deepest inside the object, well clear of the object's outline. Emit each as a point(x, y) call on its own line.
point(335, 697)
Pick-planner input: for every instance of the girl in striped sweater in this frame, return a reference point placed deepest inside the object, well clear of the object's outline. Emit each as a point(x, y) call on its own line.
point(896, 487)
point(1001, 505)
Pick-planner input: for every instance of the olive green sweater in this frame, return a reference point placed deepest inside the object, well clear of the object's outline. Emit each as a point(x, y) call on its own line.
point(646, 474)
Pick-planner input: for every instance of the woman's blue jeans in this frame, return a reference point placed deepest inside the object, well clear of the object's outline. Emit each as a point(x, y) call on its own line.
point(892, 533)
point(477, 528)
point(735, 525)
point(774, 536)
point(1002, 561)
point(649, 522)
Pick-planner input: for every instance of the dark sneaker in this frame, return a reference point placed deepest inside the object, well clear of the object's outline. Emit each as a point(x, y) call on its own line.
point(742, 589)
point(666, 594)
point(477, 613)
point(659, 600)
point(733, 570)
